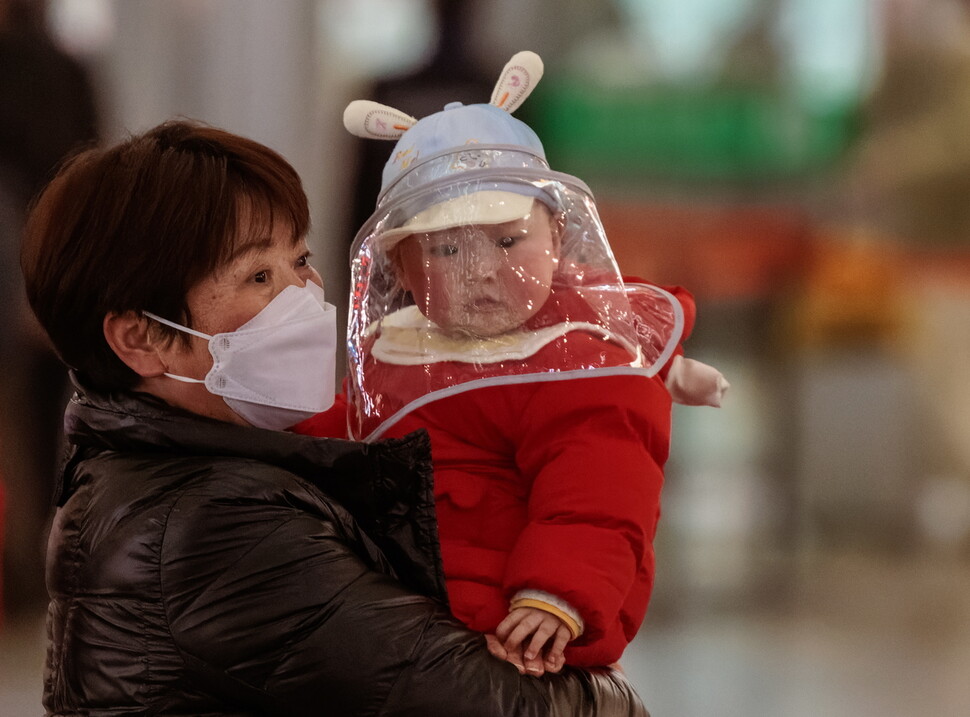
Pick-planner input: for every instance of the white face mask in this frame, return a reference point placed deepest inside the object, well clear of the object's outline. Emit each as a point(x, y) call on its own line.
point(278, 368)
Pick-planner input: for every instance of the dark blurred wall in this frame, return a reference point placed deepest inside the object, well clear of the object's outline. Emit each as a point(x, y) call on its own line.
point(46, 109)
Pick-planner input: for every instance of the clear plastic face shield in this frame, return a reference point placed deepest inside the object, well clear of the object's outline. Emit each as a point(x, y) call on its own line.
point(501, 275)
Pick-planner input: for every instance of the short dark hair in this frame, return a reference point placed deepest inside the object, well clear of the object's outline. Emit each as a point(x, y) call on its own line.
point(135, 226)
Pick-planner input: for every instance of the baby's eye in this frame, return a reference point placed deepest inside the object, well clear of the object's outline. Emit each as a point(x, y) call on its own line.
point(506, 242)
point(444, 250)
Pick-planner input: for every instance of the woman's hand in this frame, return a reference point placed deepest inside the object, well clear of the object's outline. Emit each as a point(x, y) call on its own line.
point(533, 640)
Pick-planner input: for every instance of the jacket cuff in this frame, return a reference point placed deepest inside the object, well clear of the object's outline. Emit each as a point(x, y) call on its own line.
point(542, 600)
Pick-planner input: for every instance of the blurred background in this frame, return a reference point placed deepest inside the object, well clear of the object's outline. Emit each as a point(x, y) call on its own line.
point(803, 166)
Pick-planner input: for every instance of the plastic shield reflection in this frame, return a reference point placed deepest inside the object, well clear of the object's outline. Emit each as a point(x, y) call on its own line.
point(500, 279)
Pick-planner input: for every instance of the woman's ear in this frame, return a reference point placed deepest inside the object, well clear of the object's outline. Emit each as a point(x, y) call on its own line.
point(129, 337)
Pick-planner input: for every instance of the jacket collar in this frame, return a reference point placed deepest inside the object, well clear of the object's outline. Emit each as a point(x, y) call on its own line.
point(140, 422)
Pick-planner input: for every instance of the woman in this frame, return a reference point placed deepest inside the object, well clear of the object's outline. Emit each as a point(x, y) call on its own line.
point(203, 562)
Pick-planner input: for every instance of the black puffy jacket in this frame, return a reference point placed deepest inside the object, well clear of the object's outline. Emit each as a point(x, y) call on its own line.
point(201, 568)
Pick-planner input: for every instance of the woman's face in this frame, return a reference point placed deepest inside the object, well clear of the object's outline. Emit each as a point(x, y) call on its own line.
point(258, 270)
point(483, 280)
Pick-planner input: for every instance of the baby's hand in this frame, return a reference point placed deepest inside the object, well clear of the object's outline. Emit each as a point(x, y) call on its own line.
point(534, 640)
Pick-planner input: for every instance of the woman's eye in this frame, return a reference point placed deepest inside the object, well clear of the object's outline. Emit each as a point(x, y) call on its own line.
point(506, 242)
point(444, 250)
point(260, 277)
point(304, 260)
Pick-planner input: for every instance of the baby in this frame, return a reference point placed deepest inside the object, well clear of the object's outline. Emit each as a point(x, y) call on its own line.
point(488, 310)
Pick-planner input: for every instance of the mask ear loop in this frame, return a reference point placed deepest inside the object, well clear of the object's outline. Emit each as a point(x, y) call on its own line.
point(186, 329)
point(184, 379)
point(179, 327)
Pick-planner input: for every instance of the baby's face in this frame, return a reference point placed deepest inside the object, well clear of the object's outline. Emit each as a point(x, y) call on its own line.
point(484, 279)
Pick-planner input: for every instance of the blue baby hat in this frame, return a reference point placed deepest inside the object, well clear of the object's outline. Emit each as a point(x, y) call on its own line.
point(456, 127)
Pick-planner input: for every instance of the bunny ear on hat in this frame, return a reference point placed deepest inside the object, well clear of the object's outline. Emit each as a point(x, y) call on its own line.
point(519, 77)
point(372, 120)
point(454, 127)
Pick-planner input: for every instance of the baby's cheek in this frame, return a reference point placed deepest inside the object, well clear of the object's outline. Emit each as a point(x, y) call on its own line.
point(441, 301)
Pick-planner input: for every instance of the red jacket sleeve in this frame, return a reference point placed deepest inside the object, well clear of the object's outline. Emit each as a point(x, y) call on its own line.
point(682, 295)
point(686, 301)
point(596, 448)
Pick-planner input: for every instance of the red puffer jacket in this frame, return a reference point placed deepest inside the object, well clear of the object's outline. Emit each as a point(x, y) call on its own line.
point(549, 485)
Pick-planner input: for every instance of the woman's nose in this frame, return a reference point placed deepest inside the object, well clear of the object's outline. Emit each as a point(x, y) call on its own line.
point(292, 277)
